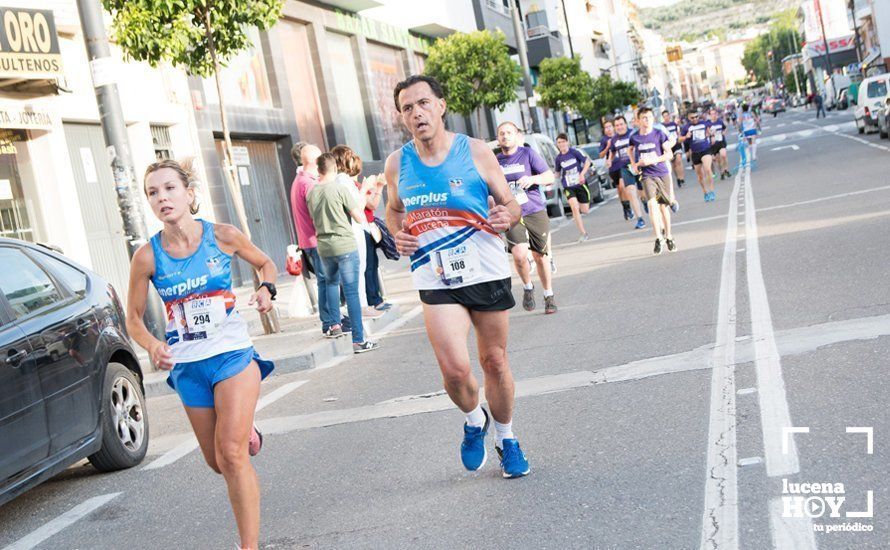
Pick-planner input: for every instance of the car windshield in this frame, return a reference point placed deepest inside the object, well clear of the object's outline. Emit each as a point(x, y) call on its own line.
point(591, 149)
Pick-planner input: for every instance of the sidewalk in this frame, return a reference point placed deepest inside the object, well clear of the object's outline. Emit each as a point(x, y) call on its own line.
point(300, 344)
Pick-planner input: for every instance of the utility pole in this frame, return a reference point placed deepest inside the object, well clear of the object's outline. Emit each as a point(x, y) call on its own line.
point(852, 5)
point(794, 64)
point(115, 131)
point(565, 17)
point(518, 28)
point(824, 41)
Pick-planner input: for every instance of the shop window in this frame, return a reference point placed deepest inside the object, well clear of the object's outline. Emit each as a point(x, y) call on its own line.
point(348, 94)
point(14, 220)
point(386, 72)
point(244, 80)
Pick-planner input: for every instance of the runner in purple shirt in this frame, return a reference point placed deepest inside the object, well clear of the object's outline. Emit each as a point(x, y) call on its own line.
point(525, 171)
point(697, 132)
point(572, 166)
point(650, 152)
point(618, 161)
point(673, 127)
point(605, 145)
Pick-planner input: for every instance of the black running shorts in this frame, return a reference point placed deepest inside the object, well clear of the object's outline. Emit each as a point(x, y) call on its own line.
point(696, 157)
point(717, 146)
point(487, 296)
point(580, 192)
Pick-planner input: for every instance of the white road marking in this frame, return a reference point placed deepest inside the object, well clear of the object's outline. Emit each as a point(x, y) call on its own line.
point(750, 461)
point(790, 342)
point(720, 519)
point(746, 391)
point(774, 411)
point(740, 250)
point(790, 533)
point(823, 199)
point(191, 443)
point(792, 147)
point(773, 402)
point(52, 527)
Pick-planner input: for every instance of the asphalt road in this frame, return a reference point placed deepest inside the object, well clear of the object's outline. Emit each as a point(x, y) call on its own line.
point(651, 407)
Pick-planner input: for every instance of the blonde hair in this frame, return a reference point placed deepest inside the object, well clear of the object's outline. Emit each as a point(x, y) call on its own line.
point(187, 174)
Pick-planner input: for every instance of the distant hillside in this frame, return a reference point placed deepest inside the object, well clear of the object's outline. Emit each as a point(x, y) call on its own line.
point(692, 20)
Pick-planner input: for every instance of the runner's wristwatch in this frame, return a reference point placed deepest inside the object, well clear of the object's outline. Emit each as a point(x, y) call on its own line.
point(270, 287)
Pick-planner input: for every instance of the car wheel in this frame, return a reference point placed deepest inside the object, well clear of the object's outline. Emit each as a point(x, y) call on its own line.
point(882, 132)
point(553, 210)
point(124, 422)
point(597, 192)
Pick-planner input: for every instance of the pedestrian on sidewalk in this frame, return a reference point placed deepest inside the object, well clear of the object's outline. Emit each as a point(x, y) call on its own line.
point(212, 363)
point(333, 206)
point(307, 177)
point(820, 105)
point(349, 166)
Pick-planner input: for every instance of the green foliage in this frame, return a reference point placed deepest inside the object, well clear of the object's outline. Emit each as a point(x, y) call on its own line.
point(563, 85)
point(781, 38)
point(175, 30)
point(475, 70)
point(694, 20)
point(611, 95)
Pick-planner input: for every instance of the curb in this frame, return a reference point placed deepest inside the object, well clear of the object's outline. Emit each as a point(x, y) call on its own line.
point(285, 363)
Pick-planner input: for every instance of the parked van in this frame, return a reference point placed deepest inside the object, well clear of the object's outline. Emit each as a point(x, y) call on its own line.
point(874, 92)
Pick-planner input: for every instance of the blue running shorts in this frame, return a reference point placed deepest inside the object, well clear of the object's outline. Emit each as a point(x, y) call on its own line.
point(194, 381)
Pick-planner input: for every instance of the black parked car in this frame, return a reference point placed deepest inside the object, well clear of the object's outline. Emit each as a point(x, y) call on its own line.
point(70, 383)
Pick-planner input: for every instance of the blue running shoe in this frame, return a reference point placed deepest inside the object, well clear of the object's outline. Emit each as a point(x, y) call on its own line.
point(675, 207)
point(707, 196)
point(472, 450)
point(713, 196)
point(513, 461)
point(640, 223)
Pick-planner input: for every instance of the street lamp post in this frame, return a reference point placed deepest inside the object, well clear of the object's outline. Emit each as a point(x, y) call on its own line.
point(526, 70)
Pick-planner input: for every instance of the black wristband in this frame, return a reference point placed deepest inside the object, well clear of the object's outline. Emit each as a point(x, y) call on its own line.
point(270, 287)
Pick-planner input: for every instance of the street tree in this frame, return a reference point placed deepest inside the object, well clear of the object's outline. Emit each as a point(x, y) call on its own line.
point(612, 95)
point(475, 70)
point(199, 36)
point(764, 54)
point(563, 85)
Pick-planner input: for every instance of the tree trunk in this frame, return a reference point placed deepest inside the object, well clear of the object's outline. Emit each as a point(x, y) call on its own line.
point(479, 130)
point(269, 320)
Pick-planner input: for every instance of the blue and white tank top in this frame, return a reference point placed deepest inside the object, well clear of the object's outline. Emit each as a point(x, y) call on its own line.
point(748, 122)
point(197, 292)
point(447, 208)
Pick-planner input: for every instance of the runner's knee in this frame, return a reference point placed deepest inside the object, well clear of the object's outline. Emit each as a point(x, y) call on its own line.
point(494, 361)
point(231, 456)
point(456, 375)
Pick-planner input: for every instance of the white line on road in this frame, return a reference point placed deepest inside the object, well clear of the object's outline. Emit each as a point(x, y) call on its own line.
point(823, 199)
point(774, 412)
point(751, 461)
point(720, 519)
point(775, 415)
point(191, 443)
point(54, 526)
point(790, 533)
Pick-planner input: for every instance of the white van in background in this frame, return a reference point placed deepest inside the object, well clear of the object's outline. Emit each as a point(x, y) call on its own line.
point(873, 94)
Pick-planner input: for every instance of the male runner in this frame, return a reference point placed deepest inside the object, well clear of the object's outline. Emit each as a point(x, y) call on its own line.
point(571, 167)
point(448, 204)
point(696, 132)
point(525, 170)
point(673, 128)
point(748, 123)
point(718, 129)
point(650, 150)
point(619, 160)
point(605, 143)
